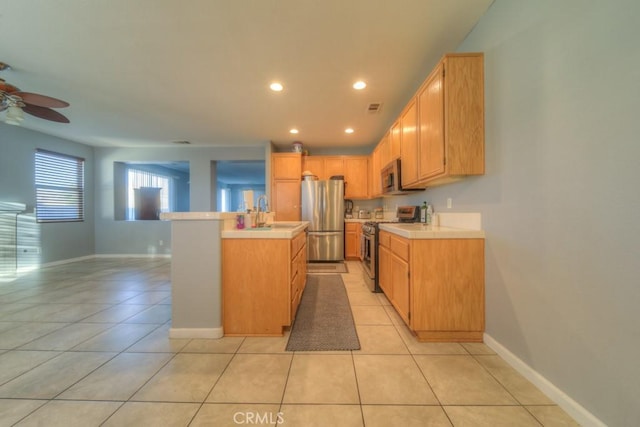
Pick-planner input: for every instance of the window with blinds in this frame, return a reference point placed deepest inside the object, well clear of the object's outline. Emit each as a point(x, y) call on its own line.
point(59, 187)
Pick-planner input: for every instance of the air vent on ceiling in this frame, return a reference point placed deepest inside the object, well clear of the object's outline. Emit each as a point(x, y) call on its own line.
point(374, 107)
point(181, 142)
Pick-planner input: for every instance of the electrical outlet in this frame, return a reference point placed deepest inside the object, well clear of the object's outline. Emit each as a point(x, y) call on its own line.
point(449, 203)
point(161, 242)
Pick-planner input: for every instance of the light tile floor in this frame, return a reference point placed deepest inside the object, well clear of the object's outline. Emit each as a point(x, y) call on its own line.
point(86, 343)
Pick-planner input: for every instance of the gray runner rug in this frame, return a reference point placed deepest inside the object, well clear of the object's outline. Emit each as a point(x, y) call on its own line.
point(324, 321)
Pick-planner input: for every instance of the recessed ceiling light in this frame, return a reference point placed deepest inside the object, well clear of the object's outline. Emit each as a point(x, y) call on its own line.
point(359, 85)
point(294, 130)
point(276, 87)
point(349, 130)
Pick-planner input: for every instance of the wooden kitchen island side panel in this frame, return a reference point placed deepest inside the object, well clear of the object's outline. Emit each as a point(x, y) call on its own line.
point(262, 280)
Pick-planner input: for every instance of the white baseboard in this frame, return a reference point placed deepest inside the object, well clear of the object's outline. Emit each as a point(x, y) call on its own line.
point(573, 408)
point(208, 333)
point(132, 255)
point(82, 258)
point(66, 261)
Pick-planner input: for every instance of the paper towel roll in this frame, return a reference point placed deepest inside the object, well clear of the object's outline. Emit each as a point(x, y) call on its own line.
point(247, 196)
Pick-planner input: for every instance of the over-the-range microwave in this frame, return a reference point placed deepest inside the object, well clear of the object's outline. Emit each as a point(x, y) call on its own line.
point(392, 181)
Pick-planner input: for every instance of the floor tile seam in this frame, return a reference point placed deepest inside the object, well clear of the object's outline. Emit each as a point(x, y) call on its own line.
point(355, 375)
point(484, 405)
point(106, 362)
point(115, 354)
point(495, 378)
point(32, 368)
point(396, 327)
point(286, 381)
point(87, 374)
point(213, 386)
point(413, 357)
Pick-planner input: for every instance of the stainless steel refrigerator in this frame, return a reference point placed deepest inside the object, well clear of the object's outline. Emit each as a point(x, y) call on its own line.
point(323, 207)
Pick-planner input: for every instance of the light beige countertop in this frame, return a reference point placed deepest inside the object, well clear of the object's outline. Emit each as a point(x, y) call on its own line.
point(275, 230)
point(451, 225)
point(372, 219)
point(421, 231)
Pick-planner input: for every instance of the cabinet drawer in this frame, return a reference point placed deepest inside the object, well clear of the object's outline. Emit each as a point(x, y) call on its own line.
point(384, 237)
point(297, 243)
point(400, 247)
point(351, 226)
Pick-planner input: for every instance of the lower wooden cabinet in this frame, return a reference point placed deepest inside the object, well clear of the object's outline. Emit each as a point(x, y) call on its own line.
point(435, 285)
point(262, 283)
point(352, 237)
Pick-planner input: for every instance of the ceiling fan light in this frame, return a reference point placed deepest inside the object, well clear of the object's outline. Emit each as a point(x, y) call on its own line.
point(14, 116)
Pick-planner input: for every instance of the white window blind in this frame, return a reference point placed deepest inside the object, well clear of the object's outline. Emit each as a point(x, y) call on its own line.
point(59, 187)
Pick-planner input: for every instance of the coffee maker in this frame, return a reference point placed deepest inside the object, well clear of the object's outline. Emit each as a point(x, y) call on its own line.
point(348, 209)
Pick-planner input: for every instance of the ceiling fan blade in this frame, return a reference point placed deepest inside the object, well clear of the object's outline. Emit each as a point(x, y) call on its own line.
point(6, 87)
point(45, 113)
point(41, 100)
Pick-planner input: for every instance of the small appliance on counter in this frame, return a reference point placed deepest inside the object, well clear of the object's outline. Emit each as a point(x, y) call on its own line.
point(364, 214)
point(348, 209)
point(408, 213)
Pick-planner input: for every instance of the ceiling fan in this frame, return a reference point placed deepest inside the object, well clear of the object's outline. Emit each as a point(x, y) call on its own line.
point(16, 101)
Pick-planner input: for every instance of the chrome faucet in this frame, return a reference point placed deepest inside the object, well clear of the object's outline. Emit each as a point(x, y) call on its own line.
point(260, 219)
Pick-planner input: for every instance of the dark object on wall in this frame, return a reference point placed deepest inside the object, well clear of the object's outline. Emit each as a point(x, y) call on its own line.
point(147, 203)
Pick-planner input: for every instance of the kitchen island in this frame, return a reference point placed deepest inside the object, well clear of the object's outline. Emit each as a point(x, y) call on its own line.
point(256, 261)
point(263, 275)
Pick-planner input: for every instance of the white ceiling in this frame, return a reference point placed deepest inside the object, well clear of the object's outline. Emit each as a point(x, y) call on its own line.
point(142, 73)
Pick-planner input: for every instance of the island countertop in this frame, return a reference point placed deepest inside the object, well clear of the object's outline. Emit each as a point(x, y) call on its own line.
point(275, 230)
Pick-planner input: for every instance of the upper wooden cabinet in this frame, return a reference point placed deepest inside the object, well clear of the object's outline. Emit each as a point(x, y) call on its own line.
point(384, 149)
point(356, 177)
point(324, 167)
point(286, 166)
point(395, 139)
point(355, 170)
point(440, 134)
point(409, 144)
point(451, 120)
point(375, 182)
point(286, 173)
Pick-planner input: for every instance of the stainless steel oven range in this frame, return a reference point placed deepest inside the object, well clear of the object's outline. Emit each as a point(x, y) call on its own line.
point(369, 243)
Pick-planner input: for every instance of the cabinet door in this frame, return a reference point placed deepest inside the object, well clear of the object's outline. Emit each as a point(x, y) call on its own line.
point(350, 240)
point(448, 290)
point(384, 271)
point(409, 141)
point(286, 166)
point(431, 119)
point(375, 167)
point(395, 139)
point(356, 180)
point(314, 164)
point(385, 151)
point(358, 241)
point(333, 166)
point(286, 200)
point(400, 280)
